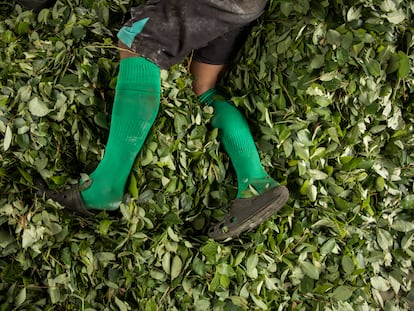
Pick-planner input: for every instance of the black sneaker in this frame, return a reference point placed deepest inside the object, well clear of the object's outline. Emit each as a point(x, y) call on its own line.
point(247, 214)
point(69, 198)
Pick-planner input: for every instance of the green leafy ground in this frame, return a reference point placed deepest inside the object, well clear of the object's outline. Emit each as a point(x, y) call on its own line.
point(328, 89)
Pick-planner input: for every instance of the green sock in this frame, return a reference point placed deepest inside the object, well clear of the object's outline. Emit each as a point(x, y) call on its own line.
point(135, 108)
point(235, 135)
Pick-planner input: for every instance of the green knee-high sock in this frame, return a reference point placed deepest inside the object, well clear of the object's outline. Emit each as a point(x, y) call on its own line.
point(235, 135)
point(135, 108)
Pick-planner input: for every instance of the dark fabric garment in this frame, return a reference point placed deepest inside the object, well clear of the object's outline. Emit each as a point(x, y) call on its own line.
point(223, 49)
point(35, 5)
point(215, 29)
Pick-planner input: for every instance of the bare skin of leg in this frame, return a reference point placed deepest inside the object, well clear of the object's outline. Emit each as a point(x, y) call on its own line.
point(205, 76)
point(125, 52)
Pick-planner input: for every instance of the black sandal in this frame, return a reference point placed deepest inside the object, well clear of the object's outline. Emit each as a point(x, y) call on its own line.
point(247, 214)
point(69, 198)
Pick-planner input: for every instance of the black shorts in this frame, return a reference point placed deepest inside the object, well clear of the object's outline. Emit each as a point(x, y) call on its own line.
point(214, 29)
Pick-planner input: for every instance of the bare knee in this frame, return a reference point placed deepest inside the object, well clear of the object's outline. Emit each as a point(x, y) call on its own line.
point(205, 76)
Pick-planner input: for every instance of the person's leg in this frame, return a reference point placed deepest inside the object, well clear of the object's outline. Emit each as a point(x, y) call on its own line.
point(134, 110)
point(135, 107)
point(234, 133)
point(259, 196)
point(205, 76)
point(207, 67)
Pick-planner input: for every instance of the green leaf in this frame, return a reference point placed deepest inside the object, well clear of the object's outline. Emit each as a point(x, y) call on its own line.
point(342, 293)
point(384, 239)
point(380, 283)
point(215, 282)
point(312, 193)
point(404, 65)
point(5, 239)
point(317, 61)
point(202, 305)
point(7, 138)
point(54, 293)
point(224, 280)
point(347, 264)
point(210, 249)
point(333, 134)
point(104, 226)
point(166, 262)
point(199, 266)
point(407, 241)
point(176, 267)
point(133, 189)
point(380, 183)
point(251, 266)
point(402, 225)
point(374, 67)
point(396, 17)
point(173, 236)
point(225, 269)
point(258, 302)
point(328, 247)
point(151, 305)
point(341, 204)
point(31, 235)
point(322, 289)
point(78, 32)
point(350, 163)
point(333, 37)
point(21, 297)
point(286, 8)
point(38, 108)
point(105, 256)
point(121, 305)
point(301, 151)
point(100, 120)
point(317, 174)
point(239, 258)
point(407, 202)
point(23, 28)
point(309, 269)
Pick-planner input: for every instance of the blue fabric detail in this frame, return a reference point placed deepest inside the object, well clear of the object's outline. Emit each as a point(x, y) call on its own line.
point(127, 33)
